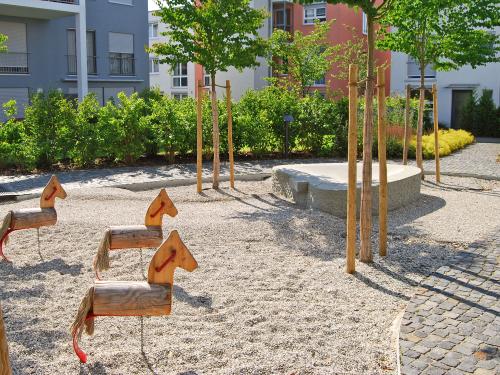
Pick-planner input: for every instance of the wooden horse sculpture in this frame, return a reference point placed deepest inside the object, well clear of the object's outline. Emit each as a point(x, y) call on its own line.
point(134, 298)
point(136, 236)
point(27, 218)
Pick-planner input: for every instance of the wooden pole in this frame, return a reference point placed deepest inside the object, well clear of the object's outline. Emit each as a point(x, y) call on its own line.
point(199, 137)
point(230, 133)
point(407, 139)
point(352, 160)
point(4, 349)
point(436, 132)
point(382, 161)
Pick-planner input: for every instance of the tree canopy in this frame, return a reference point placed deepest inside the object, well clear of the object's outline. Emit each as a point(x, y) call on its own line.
point(217, 34)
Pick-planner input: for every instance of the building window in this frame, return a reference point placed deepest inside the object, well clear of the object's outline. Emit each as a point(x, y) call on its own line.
point(180, 76)
point(180, 95)
point(15, 59)
point(206, 78)
point(91, 52)
point(413, 69)
point(121, 54)
point(365, 24)
point(153, 30)
point(315, 11)
point(320, 82)
point(154, 65)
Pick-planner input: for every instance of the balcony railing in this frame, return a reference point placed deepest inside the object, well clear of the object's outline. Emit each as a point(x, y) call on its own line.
point(14, 63)
point(121, 64)
point(73, 64)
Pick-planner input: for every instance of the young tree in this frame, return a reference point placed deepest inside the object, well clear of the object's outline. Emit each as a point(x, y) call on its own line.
point(217, 34)
point(374, 10)
point(304, 58)
point(444, 34)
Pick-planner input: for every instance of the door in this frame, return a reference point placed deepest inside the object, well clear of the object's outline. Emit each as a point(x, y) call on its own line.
point(459, 99)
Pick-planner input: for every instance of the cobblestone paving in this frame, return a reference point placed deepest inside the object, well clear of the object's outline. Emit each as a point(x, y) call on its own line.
point(452, 324)
point(478, 159)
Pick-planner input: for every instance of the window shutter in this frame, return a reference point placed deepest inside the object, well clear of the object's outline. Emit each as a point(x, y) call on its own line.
point(17, 36)
point(121, 43)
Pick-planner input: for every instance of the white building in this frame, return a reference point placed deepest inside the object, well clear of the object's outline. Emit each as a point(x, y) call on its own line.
point(454, 87)
point(181, 81)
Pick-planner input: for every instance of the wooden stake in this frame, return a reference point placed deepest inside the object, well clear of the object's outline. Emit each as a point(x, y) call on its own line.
point(407, 139)
point(352, 160)
point(199, 137)
point(382, 161)
point(230, 133)
point(4, 349)
point(436, 132)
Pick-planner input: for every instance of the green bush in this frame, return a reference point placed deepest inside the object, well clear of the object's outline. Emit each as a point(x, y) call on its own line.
point(15, 146)
point(480, 115)
point(86, 134)
point(48, 122)
point(124, 127)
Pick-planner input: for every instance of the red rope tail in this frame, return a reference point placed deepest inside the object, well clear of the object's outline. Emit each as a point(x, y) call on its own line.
point(158, 210)
point(170, 258)
point(51, 195)
point(2, 241)
point(79, 352)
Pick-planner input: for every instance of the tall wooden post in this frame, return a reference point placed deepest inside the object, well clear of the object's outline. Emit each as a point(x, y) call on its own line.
point(382, 163)
point(230, 132)
point(436, 132)
point(352, 161)
point(406, 141)
point(199, 137)
point(4, 349)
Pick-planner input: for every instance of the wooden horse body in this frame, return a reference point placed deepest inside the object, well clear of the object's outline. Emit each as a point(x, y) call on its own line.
point(136, 236)
point(28, 218)
point(135, 298)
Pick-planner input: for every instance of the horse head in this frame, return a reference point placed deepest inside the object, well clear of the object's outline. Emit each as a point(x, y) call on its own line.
point(52, 191)
point(172, 253)
point(162, 205)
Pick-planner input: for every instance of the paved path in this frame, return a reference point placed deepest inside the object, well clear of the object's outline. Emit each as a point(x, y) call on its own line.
point(477, 159)
point(452, 324)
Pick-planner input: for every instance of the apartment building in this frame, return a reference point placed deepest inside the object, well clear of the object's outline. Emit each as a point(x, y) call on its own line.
point(284, 15)
point(454, 87)
point(76, 46)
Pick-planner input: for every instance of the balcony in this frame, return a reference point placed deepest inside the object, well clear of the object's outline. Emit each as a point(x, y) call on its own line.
point(121, 64)
point(72, 64)
point(13, 63)
point(42, 9)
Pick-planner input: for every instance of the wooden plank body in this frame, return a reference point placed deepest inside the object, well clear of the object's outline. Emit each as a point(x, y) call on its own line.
point(135, 236)
point(129, 298)
point(33, 218)
point(4, 349)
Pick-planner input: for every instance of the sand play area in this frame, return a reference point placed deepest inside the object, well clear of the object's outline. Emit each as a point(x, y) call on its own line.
point(270, 295)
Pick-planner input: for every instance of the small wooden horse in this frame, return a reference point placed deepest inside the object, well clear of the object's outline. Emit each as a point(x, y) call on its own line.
point(136, 236)
point(27, 218)
point(134, 298)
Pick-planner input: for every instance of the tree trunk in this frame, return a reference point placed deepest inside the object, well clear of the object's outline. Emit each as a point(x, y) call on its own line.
point(420, 127)
point(215, 133)
point(366, 190)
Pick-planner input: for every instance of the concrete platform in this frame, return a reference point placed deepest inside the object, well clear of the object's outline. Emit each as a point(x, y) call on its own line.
point(324, 186)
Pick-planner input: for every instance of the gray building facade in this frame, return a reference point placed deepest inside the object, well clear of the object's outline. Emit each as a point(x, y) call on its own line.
point(44, 45)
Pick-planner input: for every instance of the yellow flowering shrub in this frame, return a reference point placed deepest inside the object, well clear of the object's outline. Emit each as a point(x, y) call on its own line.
point(449, 141)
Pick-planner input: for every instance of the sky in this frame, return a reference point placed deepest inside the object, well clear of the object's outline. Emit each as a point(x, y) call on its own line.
point(152, 5)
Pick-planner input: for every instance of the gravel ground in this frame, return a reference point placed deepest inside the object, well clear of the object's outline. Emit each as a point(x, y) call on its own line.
point(270, 295)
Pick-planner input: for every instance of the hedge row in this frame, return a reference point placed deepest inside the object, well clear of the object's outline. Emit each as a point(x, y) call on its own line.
point(59, 130)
